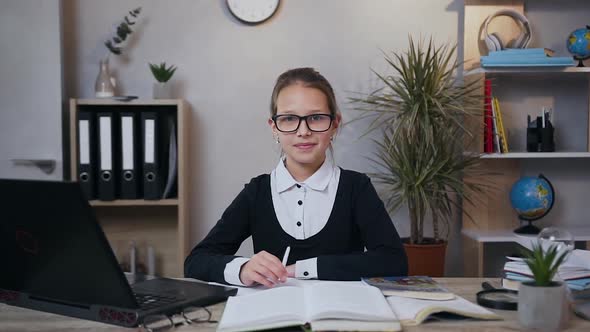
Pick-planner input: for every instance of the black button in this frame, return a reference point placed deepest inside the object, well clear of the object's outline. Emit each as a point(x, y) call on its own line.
point(300, 202)
point(299, 223)
point(306, 273)
point(298, 185)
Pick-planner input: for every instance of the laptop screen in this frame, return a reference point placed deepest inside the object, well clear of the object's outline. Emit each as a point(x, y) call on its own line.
point(52, 247)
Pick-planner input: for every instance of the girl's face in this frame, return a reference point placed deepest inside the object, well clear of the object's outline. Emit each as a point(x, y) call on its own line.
point(303, 146)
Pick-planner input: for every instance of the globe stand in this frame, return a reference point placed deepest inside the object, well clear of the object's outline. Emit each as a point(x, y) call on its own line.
point(527, 229)
point(581, 61)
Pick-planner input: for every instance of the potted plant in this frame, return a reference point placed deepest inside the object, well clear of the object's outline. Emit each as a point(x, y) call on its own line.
point(421, 110)
point(162, 74)
point(542, 303)
point(104, 86)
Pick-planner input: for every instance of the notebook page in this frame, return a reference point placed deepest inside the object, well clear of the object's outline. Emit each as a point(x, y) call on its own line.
point(414, 311)
point(247, 312)
point(342, 301)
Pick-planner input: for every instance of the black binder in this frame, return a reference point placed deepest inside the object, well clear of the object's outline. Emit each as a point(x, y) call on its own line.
point(106, 156)
point(150, 136)
point(87, 153)
point(129, 153)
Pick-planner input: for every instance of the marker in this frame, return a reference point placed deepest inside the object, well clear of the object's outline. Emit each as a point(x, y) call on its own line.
point(286, 256)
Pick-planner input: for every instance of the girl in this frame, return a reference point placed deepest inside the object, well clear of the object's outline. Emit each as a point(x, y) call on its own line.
point(332, 219)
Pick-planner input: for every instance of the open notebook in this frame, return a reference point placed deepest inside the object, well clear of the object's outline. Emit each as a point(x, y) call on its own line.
point(414, 311)
point(326, 306)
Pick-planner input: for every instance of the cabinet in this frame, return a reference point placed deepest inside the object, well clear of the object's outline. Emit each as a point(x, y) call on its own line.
point(162, 224)
point(523, 91)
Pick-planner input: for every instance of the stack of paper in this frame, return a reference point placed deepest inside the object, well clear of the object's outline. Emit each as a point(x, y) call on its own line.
point(576, 277)
point(525, 57)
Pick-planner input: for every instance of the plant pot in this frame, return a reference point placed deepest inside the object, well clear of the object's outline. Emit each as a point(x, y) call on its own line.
point(426, 259)
point(162, 90)
point(542, 307)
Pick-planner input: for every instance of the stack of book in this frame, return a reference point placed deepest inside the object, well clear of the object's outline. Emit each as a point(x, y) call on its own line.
point(516, 271)
point(495, 140)
point(525, 57)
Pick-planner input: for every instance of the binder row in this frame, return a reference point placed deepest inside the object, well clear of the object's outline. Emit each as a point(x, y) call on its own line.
point(127, 154)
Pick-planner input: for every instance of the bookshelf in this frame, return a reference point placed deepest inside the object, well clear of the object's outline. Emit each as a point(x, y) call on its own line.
point(492, 221)
point(162, 224)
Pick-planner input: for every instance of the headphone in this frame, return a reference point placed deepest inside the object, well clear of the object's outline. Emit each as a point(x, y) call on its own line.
point(492, 40)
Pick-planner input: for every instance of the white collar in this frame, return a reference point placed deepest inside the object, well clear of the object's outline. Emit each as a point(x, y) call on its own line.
point(318, 181)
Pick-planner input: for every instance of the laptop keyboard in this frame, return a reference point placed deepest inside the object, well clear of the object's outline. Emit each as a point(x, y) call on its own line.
point(151, 301)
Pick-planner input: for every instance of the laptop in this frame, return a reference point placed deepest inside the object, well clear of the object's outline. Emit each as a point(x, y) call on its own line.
point(56, 258)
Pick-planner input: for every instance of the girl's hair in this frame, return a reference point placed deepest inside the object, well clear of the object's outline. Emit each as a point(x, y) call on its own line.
point(309, 77)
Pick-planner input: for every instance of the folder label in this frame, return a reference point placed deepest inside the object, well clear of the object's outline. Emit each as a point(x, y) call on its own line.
point(149, 141)
point(127, 140)
point(106, 163)
point(84, 147)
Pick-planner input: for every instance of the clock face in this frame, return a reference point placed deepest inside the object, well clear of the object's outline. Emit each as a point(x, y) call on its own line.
point(252, 11)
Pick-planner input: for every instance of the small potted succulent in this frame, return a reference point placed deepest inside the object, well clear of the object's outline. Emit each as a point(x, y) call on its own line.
point(162, 74)
point(542, 303)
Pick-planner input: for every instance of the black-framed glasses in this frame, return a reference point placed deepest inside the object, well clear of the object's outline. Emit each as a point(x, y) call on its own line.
point(289, 123)
point(188, 316)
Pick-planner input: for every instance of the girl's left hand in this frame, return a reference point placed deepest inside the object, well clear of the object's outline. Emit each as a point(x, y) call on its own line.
point(291, 271)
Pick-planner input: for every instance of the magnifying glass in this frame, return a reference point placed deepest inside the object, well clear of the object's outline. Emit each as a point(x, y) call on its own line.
point(497, 298)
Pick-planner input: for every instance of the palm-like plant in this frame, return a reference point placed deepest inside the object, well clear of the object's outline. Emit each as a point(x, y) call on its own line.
point(423, 108)
point(544, 264)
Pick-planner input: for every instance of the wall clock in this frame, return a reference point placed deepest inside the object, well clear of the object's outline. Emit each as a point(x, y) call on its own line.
point(253, 11)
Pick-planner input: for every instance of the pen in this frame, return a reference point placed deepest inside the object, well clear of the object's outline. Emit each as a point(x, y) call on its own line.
point(286, 256)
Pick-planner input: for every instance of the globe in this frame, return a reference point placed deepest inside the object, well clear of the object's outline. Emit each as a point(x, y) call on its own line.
point(578, 44)
point(532, 198)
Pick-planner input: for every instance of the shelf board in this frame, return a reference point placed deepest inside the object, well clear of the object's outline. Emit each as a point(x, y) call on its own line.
point(535, 155)
point(135, 202)
point(529, 70)
point(580, 233)
point(137, 102)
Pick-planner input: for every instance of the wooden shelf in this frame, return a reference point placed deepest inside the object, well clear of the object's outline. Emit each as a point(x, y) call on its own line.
point(535, 155)
point(135, 202)
point(160, 224)
point(529, 70)
point(138, 102)
point(507, 235)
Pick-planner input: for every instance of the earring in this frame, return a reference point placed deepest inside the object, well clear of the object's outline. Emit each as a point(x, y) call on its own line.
point(277, 139)
point(331, 138)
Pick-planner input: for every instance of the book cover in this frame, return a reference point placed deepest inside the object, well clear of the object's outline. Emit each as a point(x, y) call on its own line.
point(488, 121)
point(544, 52)
point(524, 61)
point(418, 287)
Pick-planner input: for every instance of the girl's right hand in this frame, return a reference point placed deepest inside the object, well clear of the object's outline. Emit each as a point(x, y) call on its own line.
point(263, 268)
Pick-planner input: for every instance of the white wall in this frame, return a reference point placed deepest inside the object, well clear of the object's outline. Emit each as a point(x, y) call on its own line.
point(227, 71)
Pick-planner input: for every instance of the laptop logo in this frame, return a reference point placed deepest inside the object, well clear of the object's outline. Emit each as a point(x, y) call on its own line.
point(27, 242)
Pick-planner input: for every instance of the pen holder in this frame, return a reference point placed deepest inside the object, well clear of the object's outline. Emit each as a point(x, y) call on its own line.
point(540, 139)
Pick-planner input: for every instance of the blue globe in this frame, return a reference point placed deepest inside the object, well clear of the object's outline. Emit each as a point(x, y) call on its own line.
point(578, 43)
point(532, 197)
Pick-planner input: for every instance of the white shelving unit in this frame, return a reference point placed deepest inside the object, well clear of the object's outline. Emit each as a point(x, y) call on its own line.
point(493, 220)
point(536, 155)
point(529, 70)
point(506, 235)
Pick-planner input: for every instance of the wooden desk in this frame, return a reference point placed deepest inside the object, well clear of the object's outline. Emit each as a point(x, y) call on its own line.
point(13, 319)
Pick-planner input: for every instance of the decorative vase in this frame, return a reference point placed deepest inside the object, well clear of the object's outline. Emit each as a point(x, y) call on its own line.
point(104, 87)
point(543, 308)
point(162, 90)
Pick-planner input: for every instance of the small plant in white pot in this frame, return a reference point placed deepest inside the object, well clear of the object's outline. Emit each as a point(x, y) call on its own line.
point(542, 303)
point(162, 74)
